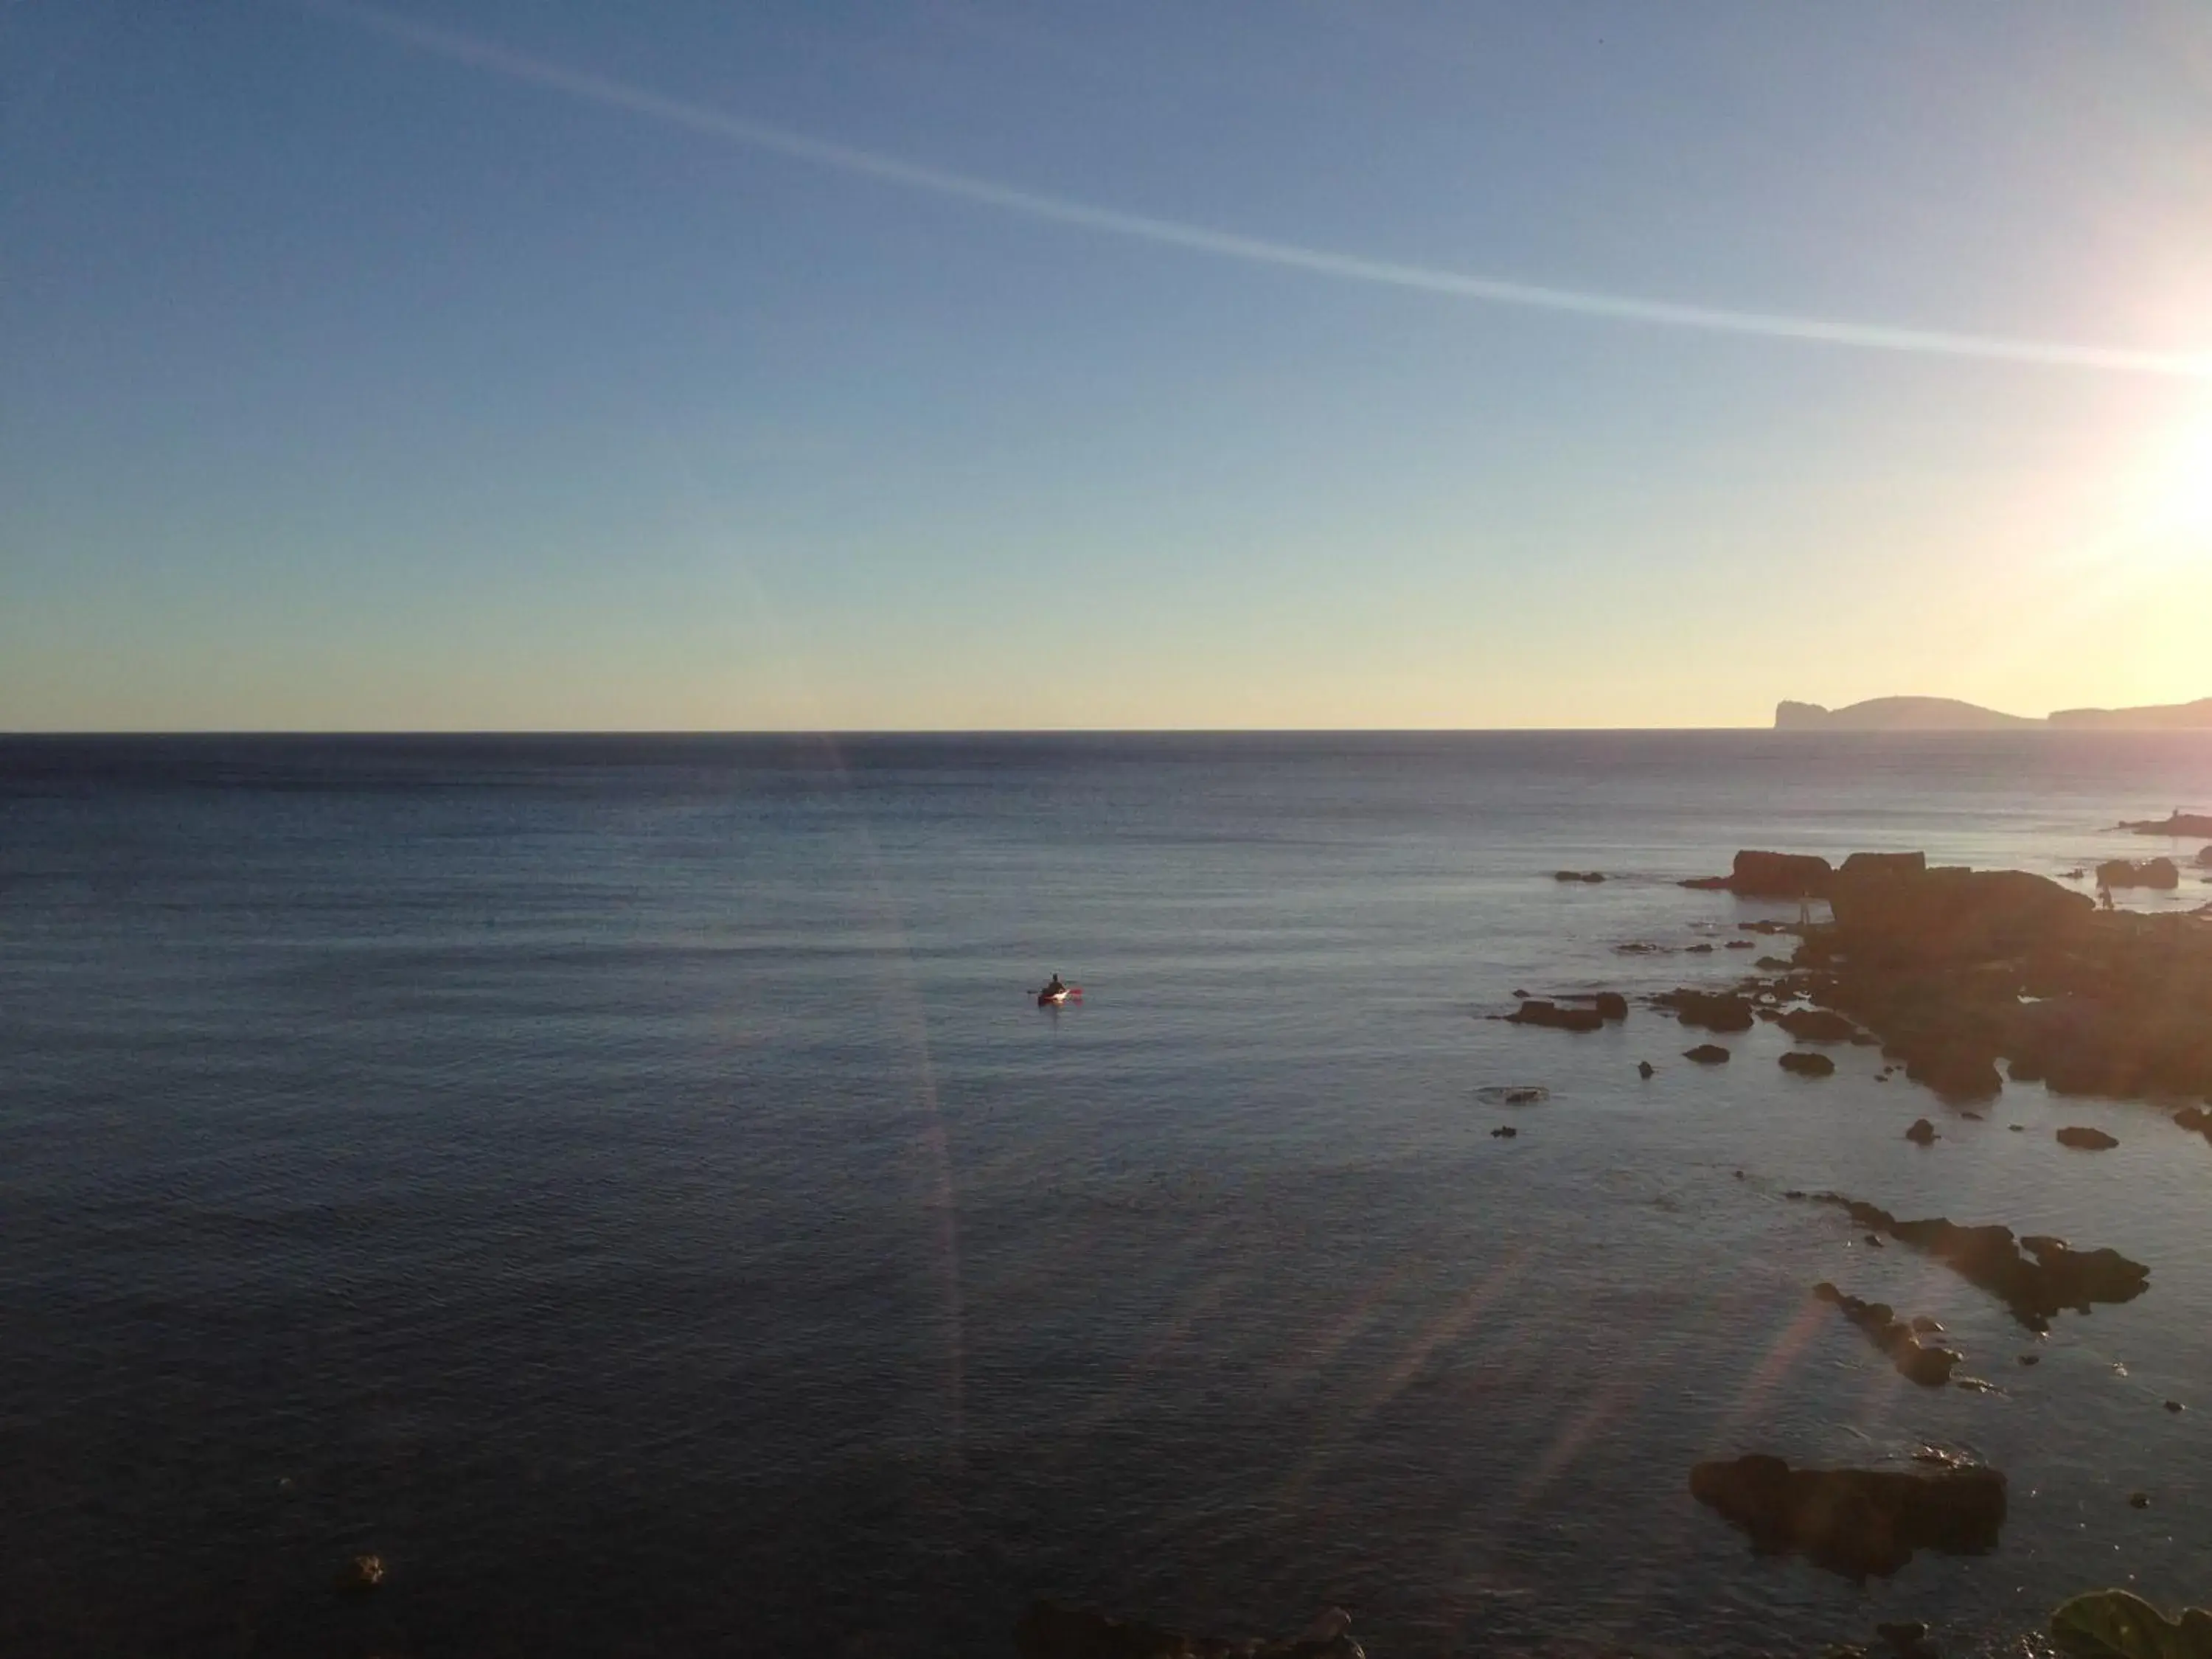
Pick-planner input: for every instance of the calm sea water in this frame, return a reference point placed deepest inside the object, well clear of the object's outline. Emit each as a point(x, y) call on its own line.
point(626, 1185)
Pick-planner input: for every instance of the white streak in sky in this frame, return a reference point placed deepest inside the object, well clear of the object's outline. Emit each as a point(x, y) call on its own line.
point(1197, 238)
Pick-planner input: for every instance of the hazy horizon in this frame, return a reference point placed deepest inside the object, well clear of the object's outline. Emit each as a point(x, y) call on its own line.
point(502, 368)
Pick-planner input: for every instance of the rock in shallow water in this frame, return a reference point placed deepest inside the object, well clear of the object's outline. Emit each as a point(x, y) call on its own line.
point(1930, 1367)
point(1855, 1522)
point(1536, 1012)
point(1808, 1065)
point(2036, 1277)
point(2086, 1141)
point(1707, 1054)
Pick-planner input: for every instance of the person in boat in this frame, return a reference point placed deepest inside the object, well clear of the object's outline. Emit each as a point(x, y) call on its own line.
point(1053, 987)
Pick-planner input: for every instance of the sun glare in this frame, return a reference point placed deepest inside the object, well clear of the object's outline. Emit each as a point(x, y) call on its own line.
point(2184, 505)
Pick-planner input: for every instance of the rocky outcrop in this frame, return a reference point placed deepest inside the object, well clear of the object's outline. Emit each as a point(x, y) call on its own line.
point(2177, 825)
point(1883, 864)
point(1772, 876)
point(1855, 1522)
point(2205, 859)
point(1589, 877)
point(1930, 1367)
point(1955, 970)
point(2086, 1141)
point(1816, 1025)
point(1555, 1017)
point(2036, 1277)
point(1707, 1011)
point(1890, 917)
point(1707, 1054)
point(2159, 874)
point(1800, 1065)
point(1050, 1631)
point(1611, 1005)
point(1922, 1134)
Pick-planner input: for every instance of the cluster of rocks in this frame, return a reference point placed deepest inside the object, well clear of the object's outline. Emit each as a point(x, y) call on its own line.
point(1955, 970)
point(1900, 1339)
point(1856, 1521)
point(2036, 1277)
point(1051, 1631)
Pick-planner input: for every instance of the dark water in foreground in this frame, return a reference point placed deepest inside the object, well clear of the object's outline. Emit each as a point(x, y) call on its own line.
point(623, 1183)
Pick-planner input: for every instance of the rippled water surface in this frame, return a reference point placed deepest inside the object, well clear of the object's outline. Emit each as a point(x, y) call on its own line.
point(624, 1184)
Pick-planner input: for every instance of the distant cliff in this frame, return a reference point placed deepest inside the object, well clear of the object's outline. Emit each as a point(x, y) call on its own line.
point(1949, 715)
point(2167, 717)
point(1895, 714)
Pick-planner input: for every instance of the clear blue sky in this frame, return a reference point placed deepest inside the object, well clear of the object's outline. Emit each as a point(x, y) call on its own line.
point(708, 365)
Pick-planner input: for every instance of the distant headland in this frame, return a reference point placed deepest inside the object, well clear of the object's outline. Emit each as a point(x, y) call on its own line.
point(1949, 715)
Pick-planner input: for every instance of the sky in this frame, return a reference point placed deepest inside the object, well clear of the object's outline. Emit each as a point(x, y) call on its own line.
point(541, 364)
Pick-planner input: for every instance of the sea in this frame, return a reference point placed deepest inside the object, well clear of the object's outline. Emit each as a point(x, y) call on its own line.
point(626, 1186)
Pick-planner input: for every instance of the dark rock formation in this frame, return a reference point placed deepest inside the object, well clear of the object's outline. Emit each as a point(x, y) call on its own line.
point(2086, 1141)
point(1710, 1011)
point(1923, 1133)
point(2036, 1277)
point(1536, 1012)
point(1611, 1005)
point(1930, 1367)
point(1707, 1054)
point(1049, 1631)
point(1808, 1065)
point(2159, 874)
point(1954, 969)
point(2177, 825)
point(1503, 1132)
point(1816, 1025)
point(2205, 859)
point(1884, 863)
point(1771, 875)
point(1645, 1070)
point(1578, 875)
point(1855, 1522)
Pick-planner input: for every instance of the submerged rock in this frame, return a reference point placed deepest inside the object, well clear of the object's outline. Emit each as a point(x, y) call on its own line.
point(1645, 1070)
point(1513, 1094)
point(1051, 1631)
point(1923, 1133)
point(1707, 1054)
point(1578, 875)
point(1855, 1522)
point(1808, 1065)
